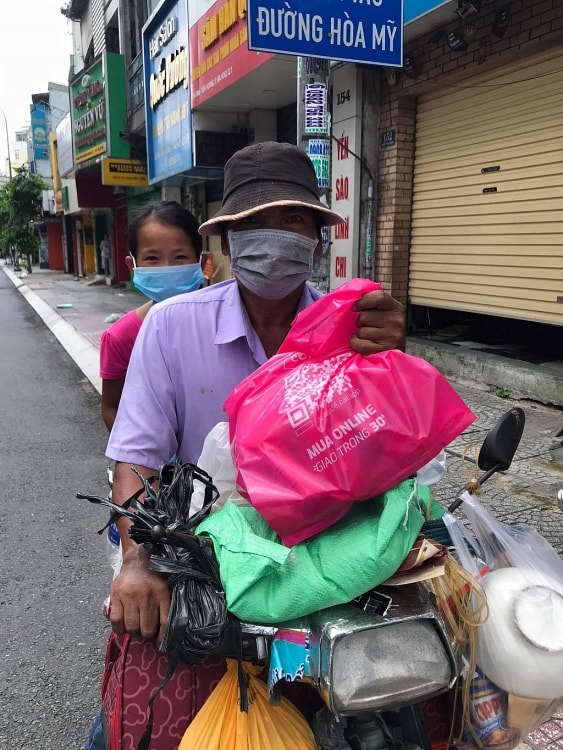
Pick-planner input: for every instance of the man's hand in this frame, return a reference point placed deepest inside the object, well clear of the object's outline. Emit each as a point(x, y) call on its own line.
point(140, 599)
point(381, 324)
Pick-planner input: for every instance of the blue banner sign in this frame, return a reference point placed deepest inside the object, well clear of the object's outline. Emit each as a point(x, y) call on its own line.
point(360, 31)
point(39, 133)
point(167, 91)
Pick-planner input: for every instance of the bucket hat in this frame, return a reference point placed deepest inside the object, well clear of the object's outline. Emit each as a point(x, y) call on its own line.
point(265, 175)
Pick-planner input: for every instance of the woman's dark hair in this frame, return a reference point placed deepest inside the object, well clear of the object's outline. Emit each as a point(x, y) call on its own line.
point(166, 212)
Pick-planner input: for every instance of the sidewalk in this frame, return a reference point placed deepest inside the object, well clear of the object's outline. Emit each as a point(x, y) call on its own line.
point(76, 312)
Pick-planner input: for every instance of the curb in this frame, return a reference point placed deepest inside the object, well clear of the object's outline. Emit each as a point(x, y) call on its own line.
point(522, 379)
point(80, 350)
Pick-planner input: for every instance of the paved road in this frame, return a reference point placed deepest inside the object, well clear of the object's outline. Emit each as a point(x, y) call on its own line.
point(53, 572)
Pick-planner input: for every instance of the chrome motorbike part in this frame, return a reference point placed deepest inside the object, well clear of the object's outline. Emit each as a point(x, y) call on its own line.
point(364, 662)
point(256, 641)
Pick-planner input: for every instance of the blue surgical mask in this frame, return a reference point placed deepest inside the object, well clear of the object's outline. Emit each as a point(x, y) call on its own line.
point(162, 282)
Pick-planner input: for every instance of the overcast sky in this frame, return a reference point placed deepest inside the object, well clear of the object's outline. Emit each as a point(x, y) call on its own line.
point(35, 48)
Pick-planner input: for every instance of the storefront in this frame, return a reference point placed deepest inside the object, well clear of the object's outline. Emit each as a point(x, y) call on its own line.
point(487, 216)
point(470, 216)
point(98, 114)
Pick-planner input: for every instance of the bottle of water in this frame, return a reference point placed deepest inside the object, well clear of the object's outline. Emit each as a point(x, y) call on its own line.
point(113, 542)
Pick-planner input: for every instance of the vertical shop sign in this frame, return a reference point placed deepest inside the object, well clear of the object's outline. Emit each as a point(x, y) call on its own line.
point(64, 146)
point(167, 91)
point(88, 112)
point(39, 131)
point(345, 170)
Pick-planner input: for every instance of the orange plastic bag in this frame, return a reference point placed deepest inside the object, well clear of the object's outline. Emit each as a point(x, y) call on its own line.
point(221, 725)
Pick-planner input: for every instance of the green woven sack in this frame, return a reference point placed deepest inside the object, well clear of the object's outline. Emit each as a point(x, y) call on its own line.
point(266, 582)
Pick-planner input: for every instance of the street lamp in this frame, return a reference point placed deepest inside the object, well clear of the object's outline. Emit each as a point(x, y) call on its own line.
point(16, 264)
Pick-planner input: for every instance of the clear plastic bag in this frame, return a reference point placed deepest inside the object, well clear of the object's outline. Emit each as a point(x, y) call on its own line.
point(520, 643)
point(432, 472)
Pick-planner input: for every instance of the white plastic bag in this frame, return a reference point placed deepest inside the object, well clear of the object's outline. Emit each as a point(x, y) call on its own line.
point(520, 643)
point(217, 461)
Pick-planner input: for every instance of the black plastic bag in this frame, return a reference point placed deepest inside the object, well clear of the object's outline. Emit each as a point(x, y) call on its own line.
point(198, 622)
point(198, 616)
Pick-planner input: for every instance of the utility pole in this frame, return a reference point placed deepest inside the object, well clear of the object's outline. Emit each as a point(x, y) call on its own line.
point(16, 265)
point(7, 143)
point(313, 136)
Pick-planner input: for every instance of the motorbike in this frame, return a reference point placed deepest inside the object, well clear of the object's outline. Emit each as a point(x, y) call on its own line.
point(376, 662)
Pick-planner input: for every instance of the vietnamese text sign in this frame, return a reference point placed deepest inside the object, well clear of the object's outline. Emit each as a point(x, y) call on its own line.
point(346, 174)
point(124, 172)
point(88, 113)
point(349, 30)
point(219, 54)
point(168, 112)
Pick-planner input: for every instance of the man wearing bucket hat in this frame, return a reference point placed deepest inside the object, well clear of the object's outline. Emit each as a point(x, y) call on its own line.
point(270, 222)
point(193, 349)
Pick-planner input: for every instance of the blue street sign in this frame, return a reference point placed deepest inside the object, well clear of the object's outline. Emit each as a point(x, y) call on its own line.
point(360, 31)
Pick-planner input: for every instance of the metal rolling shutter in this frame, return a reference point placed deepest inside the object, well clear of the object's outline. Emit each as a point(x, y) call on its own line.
point(487, 218)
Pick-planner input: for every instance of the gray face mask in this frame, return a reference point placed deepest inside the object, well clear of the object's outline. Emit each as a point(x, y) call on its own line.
point(271, 263)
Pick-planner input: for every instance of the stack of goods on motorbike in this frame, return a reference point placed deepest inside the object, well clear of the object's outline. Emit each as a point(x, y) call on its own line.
point(307, 541)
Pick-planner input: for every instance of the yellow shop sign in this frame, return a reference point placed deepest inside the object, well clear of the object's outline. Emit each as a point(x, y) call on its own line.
point(124, 172)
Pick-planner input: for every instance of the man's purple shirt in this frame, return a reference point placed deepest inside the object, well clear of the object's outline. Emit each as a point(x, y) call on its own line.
point(191, 351)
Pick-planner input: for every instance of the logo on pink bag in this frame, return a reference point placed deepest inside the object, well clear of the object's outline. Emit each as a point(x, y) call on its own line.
point(314, 388)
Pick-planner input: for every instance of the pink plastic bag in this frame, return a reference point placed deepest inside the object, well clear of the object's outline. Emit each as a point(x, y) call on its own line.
point(319, 426)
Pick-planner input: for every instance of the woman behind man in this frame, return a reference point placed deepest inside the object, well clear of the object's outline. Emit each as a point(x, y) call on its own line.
point(164, 253)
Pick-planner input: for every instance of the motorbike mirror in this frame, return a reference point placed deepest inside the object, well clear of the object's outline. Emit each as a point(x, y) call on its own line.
point(502, 440)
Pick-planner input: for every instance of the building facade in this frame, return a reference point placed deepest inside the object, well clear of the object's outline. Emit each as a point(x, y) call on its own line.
point(470, 215)
point(447, 169)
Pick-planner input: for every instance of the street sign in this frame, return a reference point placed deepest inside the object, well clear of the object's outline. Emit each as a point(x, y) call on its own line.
point(358, 31)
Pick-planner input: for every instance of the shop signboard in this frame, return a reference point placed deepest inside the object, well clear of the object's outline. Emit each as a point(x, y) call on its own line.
point(64, 146)
point(39, 131)
point(346, 175)
point(124, 172)
point(345, 30)
point(55, 172)
point(98, 111)
point(219, 53)
point(167, 91)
